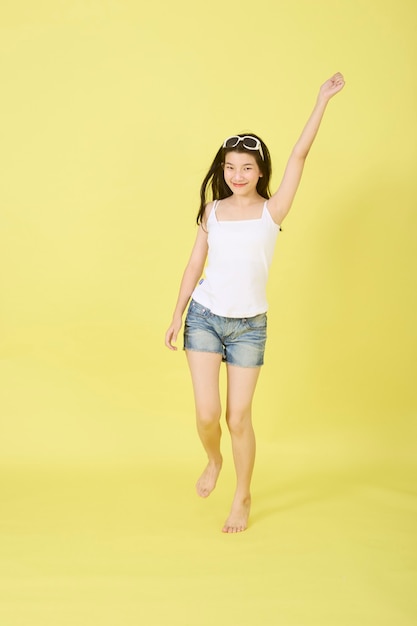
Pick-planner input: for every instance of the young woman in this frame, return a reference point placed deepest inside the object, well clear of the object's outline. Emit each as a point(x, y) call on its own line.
point(226, 319)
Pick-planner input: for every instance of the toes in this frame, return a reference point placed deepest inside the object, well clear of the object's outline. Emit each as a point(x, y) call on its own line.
point(233, 529)
point(207, 481)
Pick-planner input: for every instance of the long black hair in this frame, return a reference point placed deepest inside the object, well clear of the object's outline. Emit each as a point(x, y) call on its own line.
point(215, 182)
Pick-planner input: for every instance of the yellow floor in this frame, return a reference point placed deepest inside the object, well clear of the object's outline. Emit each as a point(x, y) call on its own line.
point(100, 524)
point(98, 546)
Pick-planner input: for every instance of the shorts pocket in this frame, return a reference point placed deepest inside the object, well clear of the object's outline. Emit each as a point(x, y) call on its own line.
point(198, 309)
point(258, 321)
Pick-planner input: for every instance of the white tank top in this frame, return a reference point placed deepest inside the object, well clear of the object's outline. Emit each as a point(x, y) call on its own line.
point(239, 256)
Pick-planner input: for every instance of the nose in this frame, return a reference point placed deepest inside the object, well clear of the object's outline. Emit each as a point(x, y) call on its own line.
point(238, 175)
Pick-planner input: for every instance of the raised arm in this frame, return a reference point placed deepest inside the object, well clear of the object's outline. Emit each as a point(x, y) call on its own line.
point(280, 203)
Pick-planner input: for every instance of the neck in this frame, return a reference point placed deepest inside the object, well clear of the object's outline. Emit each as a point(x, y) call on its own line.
point(244, 200)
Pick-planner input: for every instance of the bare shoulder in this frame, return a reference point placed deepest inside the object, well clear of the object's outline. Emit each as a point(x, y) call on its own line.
point(207, 211)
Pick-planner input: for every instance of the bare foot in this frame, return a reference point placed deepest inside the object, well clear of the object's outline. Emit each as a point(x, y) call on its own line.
point(208, 479)
point(239, 515)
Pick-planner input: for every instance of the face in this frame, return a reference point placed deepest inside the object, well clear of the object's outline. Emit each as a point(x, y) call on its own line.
point(241, 172)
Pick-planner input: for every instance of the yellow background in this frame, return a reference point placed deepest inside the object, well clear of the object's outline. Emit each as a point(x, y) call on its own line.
point(111, 112)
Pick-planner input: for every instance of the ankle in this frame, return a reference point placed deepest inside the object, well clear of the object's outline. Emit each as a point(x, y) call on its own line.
point(216, 461)
point(243, 497)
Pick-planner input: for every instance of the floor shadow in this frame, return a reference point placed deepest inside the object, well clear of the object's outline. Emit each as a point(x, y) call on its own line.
point(323, 485)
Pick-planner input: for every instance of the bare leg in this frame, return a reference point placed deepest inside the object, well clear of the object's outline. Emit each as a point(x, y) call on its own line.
point(240, 390)
point(205, 368)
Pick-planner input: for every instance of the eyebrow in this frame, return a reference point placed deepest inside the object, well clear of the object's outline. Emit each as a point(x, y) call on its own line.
point(244, 164)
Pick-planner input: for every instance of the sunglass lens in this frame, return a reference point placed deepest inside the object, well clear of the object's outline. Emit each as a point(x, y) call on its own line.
point(231, 142)
point(250, 142)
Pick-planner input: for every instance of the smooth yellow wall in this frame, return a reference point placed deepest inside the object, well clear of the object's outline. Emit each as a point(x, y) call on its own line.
point(111, 114)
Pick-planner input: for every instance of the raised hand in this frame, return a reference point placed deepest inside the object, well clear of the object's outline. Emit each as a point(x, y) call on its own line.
point(332, 86)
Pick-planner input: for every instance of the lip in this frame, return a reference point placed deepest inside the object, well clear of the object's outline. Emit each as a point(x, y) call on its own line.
point(238, 184)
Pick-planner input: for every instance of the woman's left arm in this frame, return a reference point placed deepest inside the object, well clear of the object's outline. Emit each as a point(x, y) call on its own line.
point(280, 203)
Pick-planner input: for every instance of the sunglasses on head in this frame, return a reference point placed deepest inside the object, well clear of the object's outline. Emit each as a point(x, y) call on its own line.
point(249, 142)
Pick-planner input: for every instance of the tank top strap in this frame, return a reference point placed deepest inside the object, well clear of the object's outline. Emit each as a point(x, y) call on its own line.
point(269, 216)
point(212, 216)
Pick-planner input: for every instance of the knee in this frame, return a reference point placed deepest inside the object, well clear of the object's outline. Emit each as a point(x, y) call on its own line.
point(238, 422)
point(207, 418)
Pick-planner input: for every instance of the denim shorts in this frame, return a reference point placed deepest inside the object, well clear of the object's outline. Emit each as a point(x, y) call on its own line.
point(240, 341)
